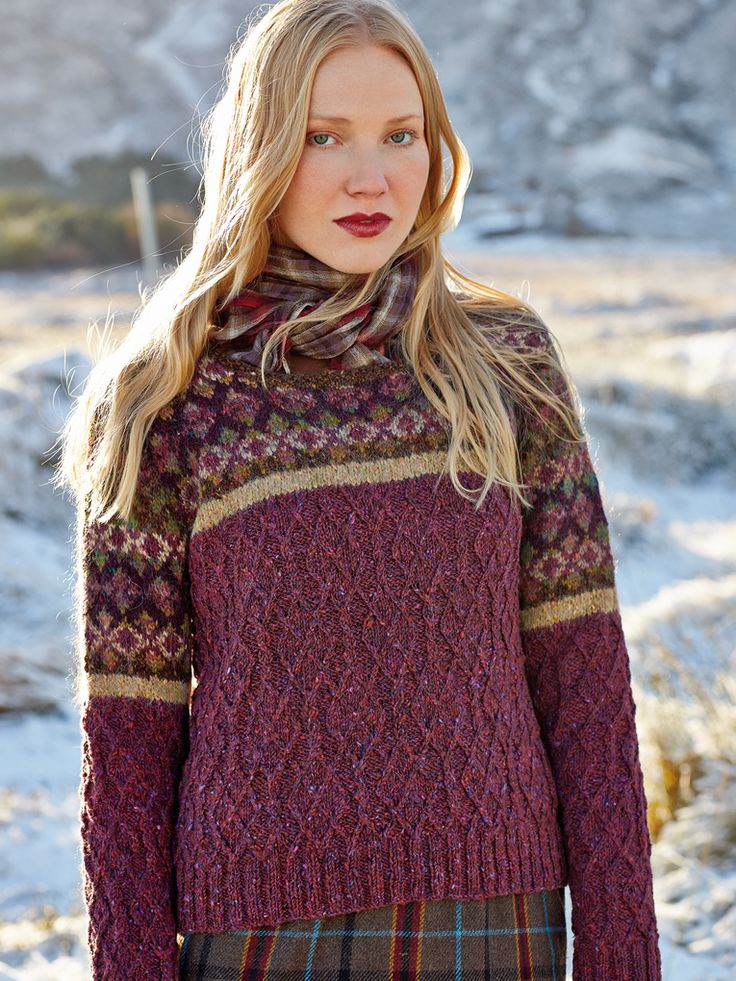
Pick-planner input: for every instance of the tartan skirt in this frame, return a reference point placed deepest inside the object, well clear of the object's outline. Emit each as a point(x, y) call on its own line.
point(501, 938)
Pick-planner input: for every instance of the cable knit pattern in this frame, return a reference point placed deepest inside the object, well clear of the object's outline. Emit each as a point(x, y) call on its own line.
point(319, 681)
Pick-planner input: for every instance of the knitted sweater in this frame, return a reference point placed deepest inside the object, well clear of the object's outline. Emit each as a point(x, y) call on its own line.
point(318, 680)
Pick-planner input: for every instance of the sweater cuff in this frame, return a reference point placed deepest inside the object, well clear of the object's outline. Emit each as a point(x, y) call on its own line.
point(631, 960)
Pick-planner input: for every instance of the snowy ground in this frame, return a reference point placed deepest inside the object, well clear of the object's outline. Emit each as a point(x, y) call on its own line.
point(649, 332)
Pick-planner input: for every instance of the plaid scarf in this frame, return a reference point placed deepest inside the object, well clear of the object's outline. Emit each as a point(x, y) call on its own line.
point(293, 282)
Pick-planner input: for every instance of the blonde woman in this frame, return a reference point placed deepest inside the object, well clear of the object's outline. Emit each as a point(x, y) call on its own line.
point(354, 691)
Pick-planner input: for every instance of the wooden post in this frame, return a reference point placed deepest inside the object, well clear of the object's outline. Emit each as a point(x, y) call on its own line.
point(146, 224)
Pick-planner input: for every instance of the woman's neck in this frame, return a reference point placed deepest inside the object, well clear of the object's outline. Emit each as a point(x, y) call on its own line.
point(301, 364)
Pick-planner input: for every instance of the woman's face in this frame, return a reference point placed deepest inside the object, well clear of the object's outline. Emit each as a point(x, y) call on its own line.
point(366, 162)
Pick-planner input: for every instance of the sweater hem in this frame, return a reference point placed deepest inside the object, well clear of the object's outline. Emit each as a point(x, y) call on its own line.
point(295, 885)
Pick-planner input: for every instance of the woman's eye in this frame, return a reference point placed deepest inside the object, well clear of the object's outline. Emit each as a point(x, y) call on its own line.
point(400, 133)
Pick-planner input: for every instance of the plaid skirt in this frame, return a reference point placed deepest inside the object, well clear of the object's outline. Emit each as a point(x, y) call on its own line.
point(500, 938)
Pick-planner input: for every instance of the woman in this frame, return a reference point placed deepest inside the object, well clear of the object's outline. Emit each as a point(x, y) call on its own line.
point(355, 694)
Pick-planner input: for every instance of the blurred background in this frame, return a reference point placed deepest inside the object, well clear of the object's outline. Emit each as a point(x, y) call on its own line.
point(603, 139)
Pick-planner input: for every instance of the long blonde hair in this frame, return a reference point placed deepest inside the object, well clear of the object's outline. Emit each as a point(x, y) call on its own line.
point(253, 138)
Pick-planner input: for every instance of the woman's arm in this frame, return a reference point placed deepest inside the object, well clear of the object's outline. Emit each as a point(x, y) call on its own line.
point(135, 631)
point(579, 677)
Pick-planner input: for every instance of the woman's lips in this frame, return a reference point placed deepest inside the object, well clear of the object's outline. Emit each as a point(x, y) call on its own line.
point(363, 229)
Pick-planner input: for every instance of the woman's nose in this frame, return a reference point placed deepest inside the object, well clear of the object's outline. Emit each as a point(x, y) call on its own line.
point(367, 173)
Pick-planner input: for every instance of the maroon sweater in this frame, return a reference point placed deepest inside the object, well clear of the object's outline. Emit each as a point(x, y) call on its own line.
point(317, 680)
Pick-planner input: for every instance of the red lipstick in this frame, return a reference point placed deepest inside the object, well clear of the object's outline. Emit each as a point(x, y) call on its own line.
point(364, 226)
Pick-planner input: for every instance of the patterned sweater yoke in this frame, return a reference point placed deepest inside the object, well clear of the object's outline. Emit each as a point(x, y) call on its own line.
point(318, 680)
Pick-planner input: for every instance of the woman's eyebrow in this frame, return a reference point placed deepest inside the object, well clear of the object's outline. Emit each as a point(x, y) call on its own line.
point(341, 119)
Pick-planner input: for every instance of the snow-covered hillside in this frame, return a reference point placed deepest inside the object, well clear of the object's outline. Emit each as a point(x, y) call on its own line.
point(579, 117)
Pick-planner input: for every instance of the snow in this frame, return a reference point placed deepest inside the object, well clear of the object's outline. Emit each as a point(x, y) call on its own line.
point(634, 151)
point(642, 322)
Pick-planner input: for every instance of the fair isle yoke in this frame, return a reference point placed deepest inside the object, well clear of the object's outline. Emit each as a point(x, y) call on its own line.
point(317, 680)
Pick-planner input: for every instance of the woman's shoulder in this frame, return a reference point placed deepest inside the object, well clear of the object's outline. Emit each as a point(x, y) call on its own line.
point(534, 355)
point(182, 425)
point(520, 327)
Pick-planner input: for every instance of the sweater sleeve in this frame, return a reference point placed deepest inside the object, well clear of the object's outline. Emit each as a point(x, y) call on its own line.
point(135, 634)
point(578, 671)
